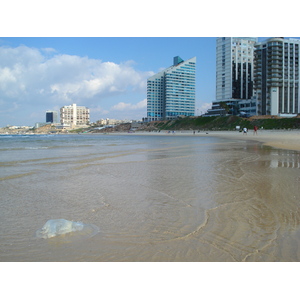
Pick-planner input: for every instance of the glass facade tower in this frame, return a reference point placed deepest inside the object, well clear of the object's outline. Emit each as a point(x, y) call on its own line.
point(51, 116)
point(234, 63)
point(171, 92)
point(234, 76)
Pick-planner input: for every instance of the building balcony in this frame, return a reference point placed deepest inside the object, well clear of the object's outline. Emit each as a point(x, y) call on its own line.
point(273, 79)
point(274, 61)
point(275, 66)
point(274, 57)
point(274, 84)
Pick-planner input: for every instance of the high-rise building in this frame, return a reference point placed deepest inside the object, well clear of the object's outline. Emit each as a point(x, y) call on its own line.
point(234, 67)
point(276, 80)
point(51, 116)
point(234, 75)
point(74, 115)
point(171, 92)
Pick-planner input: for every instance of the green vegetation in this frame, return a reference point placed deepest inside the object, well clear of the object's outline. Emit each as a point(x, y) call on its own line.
point(226, 123)
point(203, 124)
point(79, 130)
point(285, 123)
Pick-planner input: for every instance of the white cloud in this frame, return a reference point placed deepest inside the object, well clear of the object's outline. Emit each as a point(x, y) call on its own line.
point(100, 111)
point(206, 106)
point(121, 106)
point(128, 106)
point(33, 78)
point(203, 108)
point(66, 74)
point(48, 50)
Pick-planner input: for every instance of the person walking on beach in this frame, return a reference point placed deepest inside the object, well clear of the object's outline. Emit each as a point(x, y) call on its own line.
point(255, 130)
point(245, 130)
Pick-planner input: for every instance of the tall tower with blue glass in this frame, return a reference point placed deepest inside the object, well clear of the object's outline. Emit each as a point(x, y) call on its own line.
point(171, 92)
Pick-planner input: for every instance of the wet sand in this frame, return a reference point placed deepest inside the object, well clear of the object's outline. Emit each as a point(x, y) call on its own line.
point(282, 139)
point(208, 197)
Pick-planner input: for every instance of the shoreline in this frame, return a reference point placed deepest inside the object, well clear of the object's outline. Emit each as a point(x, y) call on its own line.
point(288, 140)
point(282, 139)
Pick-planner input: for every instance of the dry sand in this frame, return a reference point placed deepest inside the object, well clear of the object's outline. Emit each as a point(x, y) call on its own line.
point(283, 139)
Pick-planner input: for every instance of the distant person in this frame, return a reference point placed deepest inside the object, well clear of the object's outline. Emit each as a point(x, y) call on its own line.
point(255, 128)
point(245, 130)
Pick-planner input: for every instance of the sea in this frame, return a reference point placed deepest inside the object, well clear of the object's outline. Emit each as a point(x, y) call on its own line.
point(147, 198)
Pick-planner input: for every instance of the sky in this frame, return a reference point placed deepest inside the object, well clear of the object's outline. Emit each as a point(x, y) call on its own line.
point(106, 74)
point(101, 57)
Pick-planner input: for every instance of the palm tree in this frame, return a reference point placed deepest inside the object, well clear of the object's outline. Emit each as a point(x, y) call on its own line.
point(225, 107)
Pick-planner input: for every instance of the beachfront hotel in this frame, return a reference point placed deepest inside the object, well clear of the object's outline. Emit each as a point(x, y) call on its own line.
point(234, 75)
point(276, 79)
point(74, 115)
point(171, 92)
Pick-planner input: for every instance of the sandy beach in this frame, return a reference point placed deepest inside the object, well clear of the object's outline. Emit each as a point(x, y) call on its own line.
point(154, 196)
point(282, 139)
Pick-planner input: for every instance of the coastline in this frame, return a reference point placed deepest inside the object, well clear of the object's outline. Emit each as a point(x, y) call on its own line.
point(282, 139)
point(222, 189)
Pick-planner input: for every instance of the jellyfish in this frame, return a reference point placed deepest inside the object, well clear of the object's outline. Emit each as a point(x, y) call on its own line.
point(60, 227)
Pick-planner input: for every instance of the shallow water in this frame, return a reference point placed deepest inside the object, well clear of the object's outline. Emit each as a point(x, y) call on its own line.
point(153, 198)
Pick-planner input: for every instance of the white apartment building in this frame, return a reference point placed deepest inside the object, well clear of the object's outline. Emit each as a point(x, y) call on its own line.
point(74, 115)
point(108, 121)
point(276, 82)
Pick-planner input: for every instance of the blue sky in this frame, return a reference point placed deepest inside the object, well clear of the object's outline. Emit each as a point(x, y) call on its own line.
point(106, 74)
point(100, 56)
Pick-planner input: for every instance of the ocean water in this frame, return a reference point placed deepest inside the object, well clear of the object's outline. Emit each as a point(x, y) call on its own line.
point(152, 198)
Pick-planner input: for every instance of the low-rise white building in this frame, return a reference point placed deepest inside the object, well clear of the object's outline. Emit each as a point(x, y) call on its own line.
point(108, 121)
point(74, 115)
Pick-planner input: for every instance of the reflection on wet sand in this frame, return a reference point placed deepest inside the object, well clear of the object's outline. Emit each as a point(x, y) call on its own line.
point(256, 206)
point(156, 199)
point(235, 208)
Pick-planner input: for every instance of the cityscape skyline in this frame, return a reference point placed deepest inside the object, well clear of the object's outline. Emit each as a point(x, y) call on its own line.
point(106, 74)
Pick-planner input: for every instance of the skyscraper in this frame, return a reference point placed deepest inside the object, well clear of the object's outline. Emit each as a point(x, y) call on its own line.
point(51, 116)
point(171, 92)
point(276, 81)
point(234, 74)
